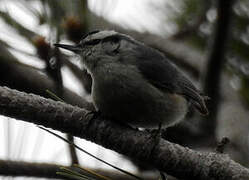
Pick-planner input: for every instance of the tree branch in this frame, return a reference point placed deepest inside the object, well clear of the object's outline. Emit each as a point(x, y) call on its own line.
point(176, 160)
point(19, 168)
point(215, 63)
point(46, 170)
point(26, 33)
point(25, 78)
point(72, 150)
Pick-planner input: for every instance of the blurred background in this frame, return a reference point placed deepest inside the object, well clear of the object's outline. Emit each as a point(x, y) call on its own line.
point(208, 40)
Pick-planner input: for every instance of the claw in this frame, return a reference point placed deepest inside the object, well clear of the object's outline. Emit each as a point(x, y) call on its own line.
point(156, 135)
point(95, 114)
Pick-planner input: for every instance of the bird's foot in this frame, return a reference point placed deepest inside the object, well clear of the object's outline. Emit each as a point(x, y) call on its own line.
point(93, 114)
point(156, 133)
point(222, 144)
point(156, 136)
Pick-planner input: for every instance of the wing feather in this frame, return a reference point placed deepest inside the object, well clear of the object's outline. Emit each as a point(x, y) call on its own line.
point(165, 76)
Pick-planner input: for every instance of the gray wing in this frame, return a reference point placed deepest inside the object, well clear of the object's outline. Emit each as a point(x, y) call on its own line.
point(165, 76)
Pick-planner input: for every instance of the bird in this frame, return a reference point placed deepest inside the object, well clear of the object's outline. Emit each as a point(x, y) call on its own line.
point(135, 84)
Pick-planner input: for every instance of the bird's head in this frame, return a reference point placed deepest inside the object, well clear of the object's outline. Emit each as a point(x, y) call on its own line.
point(102, 47)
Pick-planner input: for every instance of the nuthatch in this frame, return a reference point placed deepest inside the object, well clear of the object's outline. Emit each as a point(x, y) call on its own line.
point(133, 83)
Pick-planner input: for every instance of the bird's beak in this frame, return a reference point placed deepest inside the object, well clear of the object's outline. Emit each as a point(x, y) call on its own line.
point(74, 48)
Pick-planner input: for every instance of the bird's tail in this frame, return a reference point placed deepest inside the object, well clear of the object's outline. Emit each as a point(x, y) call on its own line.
point(200, 104)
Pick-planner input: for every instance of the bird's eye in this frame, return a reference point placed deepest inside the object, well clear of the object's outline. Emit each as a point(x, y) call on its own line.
point(92, 42)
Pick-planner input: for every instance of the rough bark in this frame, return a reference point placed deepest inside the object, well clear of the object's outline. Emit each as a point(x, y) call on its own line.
point(174, 159)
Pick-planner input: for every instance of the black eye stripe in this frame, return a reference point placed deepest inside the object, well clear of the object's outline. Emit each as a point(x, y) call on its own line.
point(92, 42)
point(90, 33)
